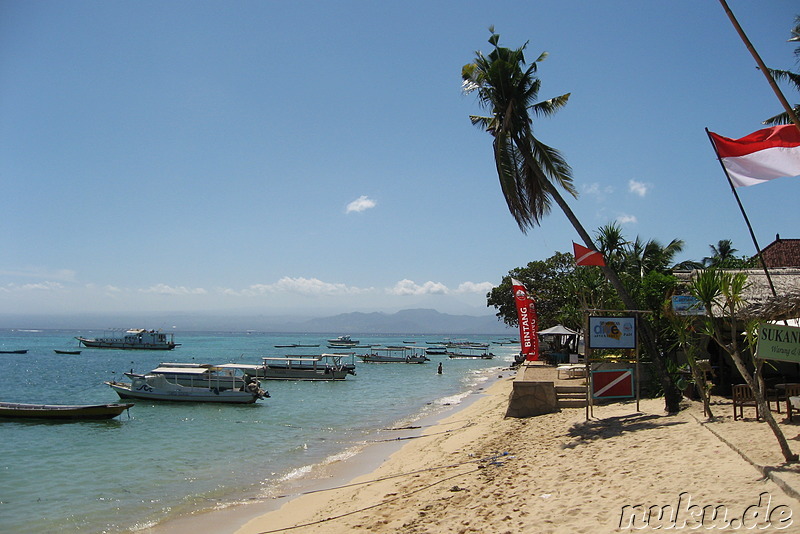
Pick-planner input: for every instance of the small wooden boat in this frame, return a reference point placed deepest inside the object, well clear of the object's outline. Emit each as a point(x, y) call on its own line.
point(24, 351)
point(61, 412)
point(66, 351)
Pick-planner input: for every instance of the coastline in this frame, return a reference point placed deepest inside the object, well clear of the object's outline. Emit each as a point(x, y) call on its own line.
point(229, 518)
point(476, 471)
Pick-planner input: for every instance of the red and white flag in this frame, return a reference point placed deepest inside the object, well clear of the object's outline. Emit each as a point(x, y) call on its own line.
point(587, 256)
point(528, 321)
point(761, 156)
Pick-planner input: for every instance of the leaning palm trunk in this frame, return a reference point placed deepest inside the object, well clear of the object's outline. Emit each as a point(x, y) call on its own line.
point(672, 396)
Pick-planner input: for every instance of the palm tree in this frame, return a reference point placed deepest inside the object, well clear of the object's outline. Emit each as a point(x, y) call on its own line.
point(529, 169)
point(792, 78)
point(611, 244)
point(722, 253)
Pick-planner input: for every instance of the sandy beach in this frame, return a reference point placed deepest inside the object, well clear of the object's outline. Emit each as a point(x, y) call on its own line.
point(478, 471)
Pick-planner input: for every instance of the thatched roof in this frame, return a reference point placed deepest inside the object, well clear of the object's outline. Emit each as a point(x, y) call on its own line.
point(760, 303)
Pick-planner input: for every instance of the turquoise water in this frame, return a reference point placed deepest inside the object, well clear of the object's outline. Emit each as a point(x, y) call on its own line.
point(163, 460)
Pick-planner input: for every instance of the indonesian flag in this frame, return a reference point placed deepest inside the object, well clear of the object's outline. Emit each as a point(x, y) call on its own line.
point(587, 256)
point(528, 322)
point(761, 156)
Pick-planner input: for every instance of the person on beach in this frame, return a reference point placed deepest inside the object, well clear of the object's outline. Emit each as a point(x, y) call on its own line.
point(439, 370)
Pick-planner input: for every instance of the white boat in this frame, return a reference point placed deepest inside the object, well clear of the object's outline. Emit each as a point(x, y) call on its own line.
point(137, 338)
point(395, 355)
point(158, 388)
point(200, 374)
point(342, 342)
point(322, 367)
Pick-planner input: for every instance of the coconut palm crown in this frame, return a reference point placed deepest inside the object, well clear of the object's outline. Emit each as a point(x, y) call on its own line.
point(509, 87)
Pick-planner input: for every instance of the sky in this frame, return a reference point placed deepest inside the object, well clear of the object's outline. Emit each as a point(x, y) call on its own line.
point(317, 157)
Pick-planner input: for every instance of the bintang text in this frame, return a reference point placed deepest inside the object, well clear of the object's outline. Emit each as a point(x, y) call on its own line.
point(685, 515)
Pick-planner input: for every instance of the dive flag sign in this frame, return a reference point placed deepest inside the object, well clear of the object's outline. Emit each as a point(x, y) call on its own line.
point(613, 384)
point(528, 321)
point(587, 256)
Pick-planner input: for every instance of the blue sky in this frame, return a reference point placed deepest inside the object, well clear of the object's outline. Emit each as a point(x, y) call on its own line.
point(317, 157)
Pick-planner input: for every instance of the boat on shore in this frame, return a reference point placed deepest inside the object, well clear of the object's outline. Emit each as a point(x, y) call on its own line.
point(62, 412)
point(191, 383)
point(322, 367)
point(136, 338)
point(394, 355)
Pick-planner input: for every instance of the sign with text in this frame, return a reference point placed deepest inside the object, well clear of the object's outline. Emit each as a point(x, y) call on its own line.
point(612, 332)
point(614, 384)
point(778, 342)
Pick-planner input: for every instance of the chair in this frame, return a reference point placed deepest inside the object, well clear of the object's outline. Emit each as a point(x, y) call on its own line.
point(792, 390)
point(742, 397)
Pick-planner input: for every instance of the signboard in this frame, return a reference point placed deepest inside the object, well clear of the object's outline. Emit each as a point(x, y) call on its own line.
point(687, 305)
point(778, 342)
point(612, 332)
point(613, 384)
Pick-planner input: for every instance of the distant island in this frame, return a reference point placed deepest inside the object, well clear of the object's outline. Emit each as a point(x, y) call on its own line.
point(414, 321)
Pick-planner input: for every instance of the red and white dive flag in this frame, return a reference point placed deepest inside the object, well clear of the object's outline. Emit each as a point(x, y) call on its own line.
point(761, 156)
point(587, 256)
point(528, 322)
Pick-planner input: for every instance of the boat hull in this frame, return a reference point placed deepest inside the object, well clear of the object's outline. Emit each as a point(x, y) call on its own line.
point(62, 412)
point(371, 358)
point(177, 393)
point(99, 344)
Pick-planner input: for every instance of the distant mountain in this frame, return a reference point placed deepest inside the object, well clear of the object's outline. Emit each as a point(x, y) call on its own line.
point(422, 321)
point(418, 321)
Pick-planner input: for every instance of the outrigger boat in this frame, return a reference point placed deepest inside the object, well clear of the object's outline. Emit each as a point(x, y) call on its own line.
point(61, 412)
point(204, 386)
point(474, 352)
point(73, 352)
point(137, 338)
point(395, 355)
point(322, 367)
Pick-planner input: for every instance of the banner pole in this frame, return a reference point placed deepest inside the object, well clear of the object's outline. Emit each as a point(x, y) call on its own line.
point(744, 214)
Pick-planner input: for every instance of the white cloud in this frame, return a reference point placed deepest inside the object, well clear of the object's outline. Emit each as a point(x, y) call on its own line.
point(163, 289)
point(305, 286)
point(475, 287)
point(627, 219)
point(638, 188)
point(409, 287)
point(596, 190)
point(360, 204)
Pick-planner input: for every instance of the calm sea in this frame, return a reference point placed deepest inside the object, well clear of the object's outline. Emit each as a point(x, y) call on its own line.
point(164, 460)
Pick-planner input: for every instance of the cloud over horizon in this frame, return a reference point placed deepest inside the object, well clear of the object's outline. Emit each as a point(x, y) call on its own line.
point(360, 204)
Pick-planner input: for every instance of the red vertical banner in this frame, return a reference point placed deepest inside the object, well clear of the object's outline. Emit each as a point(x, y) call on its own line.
point(528, 322)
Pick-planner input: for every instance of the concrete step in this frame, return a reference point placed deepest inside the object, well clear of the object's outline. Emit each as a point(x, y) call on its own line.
point(572, 403)
point(570, 389)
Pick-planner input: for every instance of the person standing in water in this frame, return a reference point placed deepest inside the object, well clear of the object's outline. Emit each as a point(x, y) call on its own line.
point(439, 370)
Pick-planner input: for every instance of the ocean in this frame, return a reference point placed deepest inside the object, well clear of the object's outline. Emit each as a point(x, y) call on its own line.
point(161, 461)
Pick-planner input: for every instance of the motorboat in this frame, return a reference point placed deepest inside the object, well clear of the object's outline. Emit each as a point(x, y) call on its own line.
point(436, 350)
point(395, 355)
point(342, 342)
point(474, 352)
point(200, 374)
point(137, 338)
point(322, 367)
point(158, 387)
point(61, 412)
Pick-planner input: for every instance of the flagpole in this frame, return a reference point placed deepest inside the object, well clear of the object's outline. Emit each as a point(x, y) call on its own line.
point(761, 66)
point(744, 214)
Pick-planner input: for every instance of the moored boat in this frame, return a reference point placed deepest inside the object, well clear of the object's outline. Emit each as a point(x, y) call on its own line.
point(199, 374)
point(158, 388)
point(342, 342)
point(21, 351)
point(474, 352)
point(394, 355)
point(73, 352)
point(137, 338)
point(62, 412)
point(322, 367)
